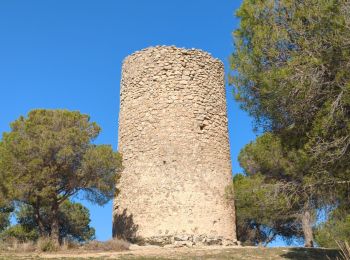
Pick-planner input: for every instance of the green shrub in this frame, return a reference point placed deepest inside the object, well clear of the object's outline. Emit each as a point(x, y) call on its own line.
point(20, 233)
point(46, 244)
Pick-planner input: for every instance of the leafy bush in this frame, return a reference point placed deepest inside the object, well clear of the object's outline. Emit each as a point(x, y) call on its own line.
point(46, 244)
point(19, 233)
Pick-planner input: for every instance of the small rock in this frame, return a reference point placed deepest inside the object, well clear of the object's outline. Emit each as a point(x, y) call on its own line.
point(227, 242)
point(189, 243)
point(181, 237)
point(183, 243)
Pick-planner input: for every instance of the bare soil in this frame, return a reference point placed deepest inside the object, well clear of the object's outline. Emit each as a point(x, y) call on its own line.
point(210, 252)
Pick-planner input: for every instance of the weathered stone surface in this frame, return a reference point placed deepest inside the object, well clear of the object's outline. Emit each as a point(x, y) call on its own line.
point(183, 243)
point(174, 140)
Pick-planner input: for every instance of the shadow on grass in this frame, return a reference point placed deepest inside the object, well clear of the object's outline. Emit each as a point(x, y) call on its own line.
point(312, 253)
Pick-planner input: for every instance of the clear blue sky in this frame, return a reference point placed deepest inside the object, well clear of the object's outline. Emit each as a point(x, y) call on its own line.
point(68, 54)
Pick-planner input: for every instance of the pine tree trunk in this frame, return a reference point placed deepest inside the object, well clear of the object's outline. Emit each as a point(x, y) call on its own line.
point(55, 231)
point(38, 218)
point(306, 221)
point(39, 222)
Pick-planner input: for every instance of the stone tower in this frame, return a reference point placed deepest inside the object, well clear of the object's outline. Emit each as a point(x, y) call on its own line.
point(174, 140)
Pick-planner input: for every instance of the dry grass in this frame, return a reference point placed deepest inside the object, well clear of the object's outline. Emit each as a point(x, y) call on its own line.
point(207, 253)
point(110, 245)
point(47, 245)
point(15, 245)
point(345, 250)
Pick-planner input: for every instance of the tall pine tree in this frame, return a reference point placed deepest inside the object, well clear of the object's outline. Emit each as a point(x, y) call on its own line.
point(290, 73)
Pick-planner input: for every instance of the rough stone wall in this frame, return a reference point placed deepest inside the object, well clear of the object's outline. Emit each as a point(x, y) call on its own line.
point(174, 140)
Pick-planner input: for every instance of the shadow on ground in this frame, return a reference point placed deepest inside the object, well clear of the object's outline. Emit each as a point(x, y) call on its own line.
point(311, 253)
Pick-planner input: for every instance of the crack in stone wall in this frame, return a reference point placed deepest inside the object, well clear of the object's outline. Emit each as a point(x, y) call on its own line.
point(174, 140)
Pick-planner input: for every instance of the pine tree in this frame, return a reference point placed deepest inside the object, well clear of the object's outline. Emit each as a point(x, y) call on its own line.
point(49, 156)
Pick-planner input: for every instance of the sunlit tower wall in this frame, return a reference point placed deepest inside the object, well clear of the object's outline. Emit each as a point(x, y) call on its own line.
point(174, 140)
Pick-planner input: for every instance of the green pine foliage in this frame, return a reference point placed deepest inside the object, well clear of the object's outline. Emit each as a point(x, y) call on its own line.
point(268, 203)
point(19, 232)
point(336, 228)
point(262, 213)
point(291, 64)
point(48, 157)
point(290, 73)
point(6, 207)
point(5, 212)
point(74, 220)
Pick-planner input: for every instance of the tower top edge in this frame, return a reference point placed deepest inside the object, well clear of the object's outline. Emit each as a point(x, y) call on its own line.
point(161, 49)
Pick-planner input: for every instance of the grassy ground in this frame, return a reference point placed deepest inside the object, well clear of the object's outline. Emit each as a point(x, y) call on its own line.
point(187, 253)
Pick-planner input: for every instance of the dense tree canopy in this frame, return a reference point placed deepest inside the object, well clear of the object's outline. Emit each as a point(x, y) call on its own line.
point(73, 218)
point(262, 213)
point(5, 205)
point(272, 182)
point(291, 64)
point(290, 73)
point(49, 156)
point(336, 228)
point(5, 212)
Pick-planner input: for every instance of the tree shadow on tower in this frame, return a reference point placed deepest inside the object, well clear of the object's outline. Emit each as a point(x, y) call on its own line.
point(124, 227)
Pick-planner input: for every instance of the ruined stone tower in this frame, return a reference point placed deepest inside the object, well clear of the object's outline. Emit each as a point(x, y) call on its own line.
point(174, 140)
